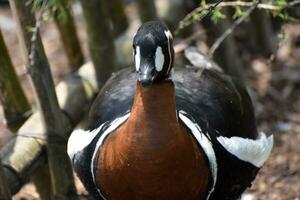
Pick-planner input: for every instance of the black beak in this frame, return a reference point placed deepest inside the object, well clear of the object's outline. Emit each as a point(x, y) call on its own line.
point(146, 74)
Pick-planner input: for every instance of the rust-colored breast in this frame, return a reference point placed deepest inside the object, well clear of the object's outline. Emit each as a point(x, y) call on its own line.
point(151, 157)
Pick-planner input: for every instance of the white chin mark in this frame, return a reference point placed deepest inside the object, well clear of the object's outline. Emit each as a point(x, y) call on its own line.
point(137, 58)
point(159, 59)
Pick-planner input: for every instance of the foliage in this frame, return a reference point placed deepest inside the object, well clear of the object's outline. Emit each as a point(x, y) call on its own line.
point(217, 15)
point(277, 8)
point(55, 8)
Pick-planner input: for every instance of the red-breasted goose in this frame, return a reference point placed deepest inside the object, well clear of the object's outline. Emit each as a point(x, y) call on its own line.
point(154, 134)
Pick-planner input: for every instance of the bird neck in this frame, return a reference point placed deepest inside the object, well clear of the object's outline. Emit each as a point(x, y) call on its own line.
point(155, 103)
point(153, 147)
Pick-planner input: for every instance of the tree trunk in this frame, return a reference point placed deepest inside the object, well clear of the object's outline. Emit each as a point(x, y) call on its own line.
point(23, 154)
point(55, 122)
point(147, 10)
point(118, 16)
point(15, 104)
point(4, 191)
point(263, 33)
point(69, 38)
point(100, 38)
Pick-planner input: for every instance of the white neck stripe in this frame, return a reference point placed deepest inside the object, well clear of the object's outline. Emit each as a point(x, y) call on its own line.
point(206, 145)
point(169, 36)
point(113, 126)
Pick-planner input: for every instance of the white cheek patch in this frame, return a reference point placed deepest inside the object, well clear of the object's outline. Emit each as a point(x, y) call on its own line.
point(255, 151)
point(159, 59)
point(137, 58)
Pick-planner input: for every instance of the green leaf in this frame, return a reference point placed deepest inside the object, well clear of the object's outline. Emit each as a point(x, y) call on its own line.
point(217, 15)
point(238, 12)
point(280, 3)
point(31, 29)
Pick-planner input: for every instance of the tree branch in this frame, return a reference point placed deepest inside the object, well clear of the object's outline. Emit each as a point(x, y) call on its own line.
point(15, 104)
point(56, 123)
point(218, 42)
point(189, 18)
point(4, 190)
point(197, 15)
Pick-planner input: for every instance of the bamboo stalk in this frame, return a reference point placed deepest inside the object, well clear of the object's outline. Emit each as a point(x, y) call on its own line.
point(55, 122)
point(4, 191)
point(147, 10)
point(100, 38)
point(26, 152)
point(69, 38)
point(118, 16)
point(16, 106)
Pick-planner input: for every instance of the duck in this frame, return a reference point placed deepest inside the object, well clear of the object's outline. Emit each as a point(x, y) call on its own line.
point(158, 133)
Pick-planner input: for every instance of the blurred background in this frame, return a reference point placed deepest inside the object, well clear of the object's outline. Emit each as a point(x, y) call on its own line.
point(262, 50)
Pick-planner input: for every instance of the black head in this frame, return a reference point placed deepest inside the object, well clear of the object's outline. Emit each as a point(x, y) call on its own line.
point(153, 52)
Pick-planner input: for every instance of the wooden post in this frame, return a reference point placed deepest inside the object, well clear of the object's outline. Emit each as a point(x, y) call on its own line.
point(25, 153)
point(56, 123)
point(100, 38)
point(147, 10)
point(118, 16)
point(16, 106)
point(4, 191)
point(69, 38)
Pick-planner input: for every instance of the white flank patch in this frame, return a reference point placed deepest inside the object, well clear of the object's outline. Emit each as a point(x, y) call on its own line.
point(159, 59)
point(79, 139)
point(206, 146)
point(113, 125)
point(255, 151)
point(137, 58)
point(248, 196)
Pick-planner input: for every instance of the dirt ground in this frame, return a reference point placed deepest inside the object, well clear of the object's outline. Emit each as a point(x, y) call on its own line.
point(274, 87)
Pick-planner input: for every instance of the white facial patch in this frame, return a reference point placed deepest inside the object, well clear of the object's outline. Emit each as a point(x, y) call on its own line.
point(159, 59)
point(137, 58)
point(255, 151)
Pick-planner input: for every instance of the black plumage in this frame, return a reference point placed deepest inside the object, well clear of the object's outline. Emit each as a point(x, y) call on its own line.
point(215, 100)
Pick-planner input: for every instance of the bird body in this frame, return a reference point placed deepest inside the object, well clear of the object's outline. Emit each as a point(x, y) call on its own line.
point(189, 135)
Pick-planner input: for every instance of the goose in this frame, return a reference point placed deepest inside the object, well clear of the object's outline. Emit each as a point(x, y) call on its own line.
point(157, 134)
